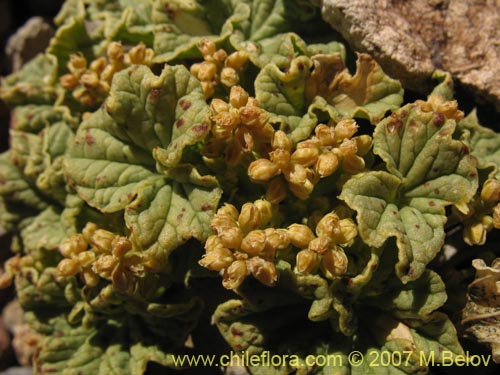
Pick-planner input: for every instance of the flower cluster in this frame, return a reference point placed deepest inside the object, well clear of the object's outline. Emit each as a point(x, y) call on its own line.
point(240, 247)
point(305, 164)
point(97, 253)
point(90, 83)
point(239, 126)
point(217, 67)
point(322, 250)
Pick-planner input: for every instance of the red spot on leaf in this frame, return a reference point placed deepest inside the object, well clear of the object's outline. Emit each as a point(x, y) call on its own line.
point(201, 128)
point(236, 332)
point(179, 123)
point(206, 207)
point(185, 104)
point(155, 94)
point(432, 203)
point(438, 119)
point(89, 139)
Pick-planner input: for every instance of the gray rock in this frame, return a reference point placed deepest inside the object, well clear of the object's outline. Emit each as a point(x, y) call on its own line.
point(412, 38)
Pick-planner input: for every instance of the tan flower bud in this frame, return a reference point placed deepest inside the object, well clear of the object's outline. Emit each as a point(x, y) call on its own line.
point(335, 261)
point(262, 170)
point(235, 274)
point(263, 270)
point(68, 267)
point(264, 133)
point(220, 55)
point(195, 69)
point(305, 156)
point(102, 240)
point(73, 245)
point(348, 231)
point(307, 261)
point(84, 96)
point(265, 209)
point(475, 233)
point(77, 65)
point(207, 71)
point(326, 164)
point(90, 80)
point(237, 59)
point(328, 226)
point(281, 141)
point(207, 47)
point(496, 216)
point(213, 242)
point(115, 52)
point(228, 120)
point(253, 116)
point(105, 265)
point(140, 55)
point(108, 73)
point(353, 164)
point(217, 259)
point(280, 158)
point(276, 191)
point(218, 106)
point(238, 97)
point(208, 88)
point(244, 138)
point(295, 173)
point(230, 236)
point(228, 210)
point(69, 81)
point(249, 218)
point(98, 65)
point(320, 245)
point(302, 191)
point(348, 147)
point(300, 235)
point(345, 129)
point(490, 193)
point(229, 77)
point(325, 135)
point(90, 278)
point(277, 239)
point(86, 258)
point(120, 245)
point(254, 242)
point(364, 144)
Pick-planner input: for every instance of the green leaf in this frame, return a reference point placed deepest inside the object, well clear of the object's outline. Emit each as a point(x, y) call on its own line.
point(429, 171)
point(35, 83)
point(112, 164)
point(369, 93)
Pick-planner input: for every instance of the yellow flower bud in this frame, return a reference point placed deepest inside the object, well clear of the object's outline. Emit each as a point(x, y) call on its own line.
point(230, 236)
point(195, 69)
point(276, 239)
point(475, 233)
point(496, 216)
point(235, 274)
point(300, 235)
point(265, 209)
point(220, 55)
point(335, 261)
point(207, 47)
point(345, 129)
point(320, 245)
point(102, 240)
point(307, 261)
point(305, 156)
point(364, 144)
point(490, 193)
point(69, 81)
point(121, 245)
point(254, 242)
point(213, 242)
point(348, 232)
point(236, 60)
point(249, 218)
point(253, 116)
point(90, 278)
point(105, 265)
point(281, 141)
point(238, 97)
point(353, 164)
point(73, 245)
point(229, 77)
point(325, 135)
point(326, 164)
point(218, 259)
point(263, 270)
point(208, 88)
point(115, 52)
point(68, 267)
point(218, 106)
point(86, 258)
point(90, 80)
point(77, 65)
point(108, 73)
point(98, 65)
point(348, 147)
point(280, 158)
point(328, 226)
point(228, 120)
point(207, 71)
point(264, 133)
point(88, 231)
point(276, 191)
point(302, 191)
point(262, 170)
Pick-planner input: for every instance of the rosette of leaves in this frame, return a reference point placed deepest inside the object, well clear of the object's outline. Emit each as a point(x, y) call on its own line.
point(426, 170)
point(394, 318)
